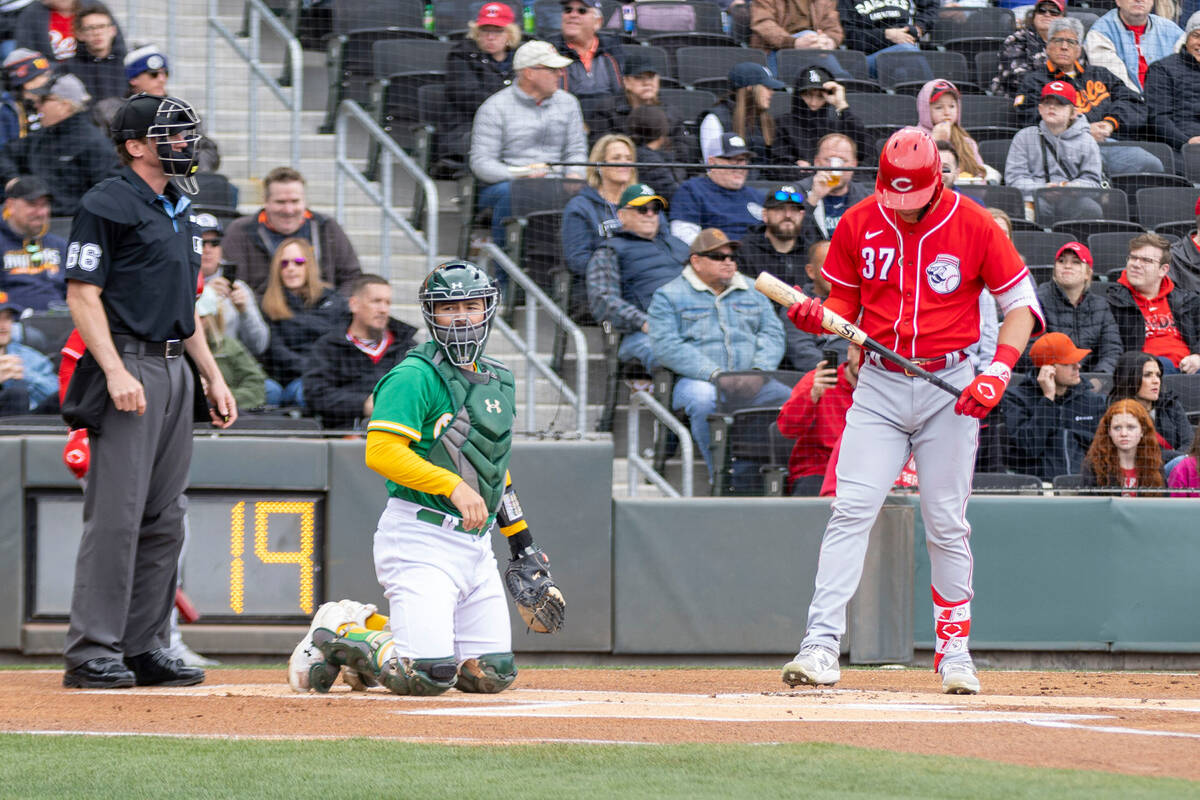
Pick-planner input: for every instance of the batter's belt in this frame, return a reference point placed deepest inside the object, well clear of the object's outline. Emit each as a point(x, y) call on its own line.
point(931, 364)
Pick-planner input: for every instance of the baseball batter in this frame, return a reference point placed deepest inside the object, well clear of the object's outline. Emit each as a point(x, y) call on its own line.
point(909, 263)
point(441, 434)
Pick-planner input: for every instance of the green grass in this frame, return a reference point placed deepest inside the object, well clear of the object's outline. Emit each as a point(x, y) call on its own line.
point(156, 767)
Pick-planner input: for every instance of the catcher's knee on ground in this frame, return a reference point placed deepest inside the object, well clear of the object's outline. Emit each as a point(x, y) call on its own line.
point(488, 674)
point(419, 676)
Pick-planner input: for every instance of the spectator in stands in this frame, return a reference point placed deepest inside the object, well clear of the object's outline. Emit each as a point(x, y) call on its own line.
point(1138, 376)
point(1152, 314)
point(1107, 103)
point(892, 26)
point(252, 241)
point(591, 215)
point(819, 108)
point(746, 111)
point(241, 318)
point(23, 70)
point(32, 273)
point(1001, 218)
point(27, 378)
point(1070, 307)
point(649, 129)
point(804, 350)
point(1024, 49)
point(628, 267)
point(593, 72)
point(347, 363)
point(1123, 454)
point(815, 413)
point(1128, 39)
point(300, 308)
point(829, 192)
point(48, 27)
point(787, 24)
point(642, 84)
point(710, 320)
point(99, 54)
point(1173, 91)
point(776, 246)
point(479, 66)
point(523, 126)
point(243, 375)
point(1052, 418)
point(720, 198)
point(146, 70)
point(1185, 474)
point(1185, 258)
point(1058, 151)
point(939, 110)
point(69, 153)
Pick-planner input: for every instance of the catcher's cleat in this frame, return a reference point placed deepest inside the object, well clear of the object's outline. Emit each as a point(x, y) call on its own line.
point(814, 665)
point(306, 659)
point(959, 677)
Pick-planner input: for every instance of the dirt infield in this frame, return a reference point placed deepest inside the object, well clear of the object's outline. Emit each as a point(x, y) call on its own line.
point(1134, 723)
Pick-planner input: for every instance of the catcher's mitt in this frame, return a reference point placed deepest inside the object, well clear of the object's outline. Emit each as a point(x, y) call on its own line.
point(538, 599)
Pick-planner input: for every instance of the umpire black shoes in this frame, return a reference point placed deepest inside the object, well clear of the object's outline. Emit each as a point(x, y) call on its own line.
point(157, 668)
point(99, 673)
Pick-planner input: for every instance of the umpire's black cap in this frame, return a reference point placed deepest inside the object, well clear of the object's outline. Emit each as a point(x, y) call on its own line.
point(134, 118)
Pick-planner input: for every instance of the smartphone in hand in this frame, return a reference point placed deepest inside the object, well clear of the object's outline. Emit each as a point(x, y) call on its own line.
point(830, 357)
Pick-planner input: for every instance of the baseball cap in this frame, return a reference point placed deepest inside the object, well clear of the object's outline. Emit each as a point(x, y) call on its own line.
point(640, 60)
point(710, 239)
point(1059, 4)
point(144, 59)
point(23, 65)
point(639, 194)
point(1056, 348)
point(208, 223)
point(732, 145)
point(1078, 249)
point(941, 87)
point(588, 3)
point(787, 193)
point(8, 305)
point(538, 54)
point(497, 15)
point(813, 78)
point(27, 187)
point(749, 73)
point(1060, 90)
point(68, 87)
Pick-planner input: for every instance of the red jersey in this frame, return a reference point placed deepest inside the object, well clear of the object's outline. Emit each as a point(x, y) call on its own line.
point(918, 285)
point(62, 35)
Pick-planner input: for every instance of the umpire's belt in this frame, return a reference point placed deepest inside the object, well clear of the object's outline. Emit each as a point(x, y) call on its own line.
point(927, 364)
point(449, 522)
point(171, 348)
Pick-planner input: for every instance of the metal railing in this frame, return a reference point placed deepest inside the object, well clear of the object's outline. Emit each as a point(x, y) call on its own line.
point(291, 97)
point(427, 242)
point(536, 300)
point(639, 466)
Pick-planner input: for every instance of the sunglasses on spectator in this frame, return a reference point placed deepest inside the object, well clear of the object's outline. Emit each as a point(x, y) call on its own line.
point(217, 243)
point(723, 256)
point(1049, 11)
point(580, 10)
point(789, 197)
point(299, 261)
point(155, 73)
point(649, 208)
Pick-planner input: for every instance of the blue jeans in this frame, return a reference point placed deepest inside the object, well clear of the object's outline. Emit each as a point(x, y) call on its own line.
point(698, 399)
point(1121, 160)
point(920, 70)
point(636, 347)
point(497, 197)
point(290, 395)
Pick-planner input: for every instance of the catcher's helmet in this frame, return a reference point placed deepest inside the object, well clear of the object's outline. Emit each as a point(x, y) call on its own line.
point(462, 341)
point(161, 119)
point(910, 171)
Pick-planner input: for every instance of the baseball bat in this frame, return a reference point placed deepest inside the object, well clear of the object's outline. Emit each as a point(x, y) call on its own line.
point(788, 296)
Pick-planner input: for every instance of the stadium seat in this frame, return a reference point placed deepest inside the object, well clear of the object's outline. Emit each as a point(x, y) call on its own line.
point(1006, 198)
point(1039, 247)
point(896, 71)
point(1191, 161)
point(981, 110)
point(1005, 483)
point(1067, 484)
point(690, 105)
point(965, 23)
point(1187, 389)
point(791, 63)
point(1048, 203)
point(1157, 205)
point(1109, 250)
point(1133, 182)
point(351, 67)
point(698, 63)
point(743, 434)
point(987, 66)
point(891, 110)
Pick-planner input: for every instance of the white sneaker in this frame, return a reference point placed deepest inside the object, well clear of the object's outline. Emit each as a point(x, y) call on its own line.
point(190, 657)
point(307, 657)
point(814, 665)
point(959, 677)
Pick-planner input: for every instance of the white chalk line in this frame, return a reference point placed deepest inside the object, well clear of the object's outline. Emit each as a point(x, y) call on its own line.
point(332, 737)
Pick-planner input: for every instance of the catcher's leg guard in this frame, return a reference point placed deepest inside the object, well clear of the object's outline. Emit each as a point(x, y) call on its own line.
point(488, 674)
point(423, 677)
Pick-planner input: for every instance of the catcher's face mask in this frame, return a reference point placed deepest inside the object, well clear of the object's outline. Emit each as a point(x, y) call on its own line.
point(461, 335)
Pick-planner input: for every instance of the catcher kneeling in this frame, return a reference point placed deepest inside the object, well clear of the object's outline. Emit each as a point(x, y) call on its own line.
point(441, 434)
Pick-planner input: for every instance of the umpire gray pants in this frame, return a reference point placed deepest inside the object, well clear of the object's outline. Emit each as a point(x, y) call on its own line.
point(133, 513)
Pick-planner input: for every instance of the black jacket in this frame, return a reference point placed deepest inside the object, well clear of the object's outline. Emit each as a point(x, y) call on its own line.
point(797, 134)
point(1185, 264)
point(1089, 324)
point(864, 21)
point(662, 179)
point(340, 377)
point(756, 254)
point(1173, 93)
point(472, 76)
point(72, 157)
point(1050, 437)
point(289, 351)
point(1185, 307)
point(103, 77)
point(1102, 96)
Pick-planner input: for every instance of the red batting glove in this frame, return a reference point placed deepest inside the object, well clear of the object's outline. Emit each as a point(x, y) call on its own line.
point(984, 393)
point(77, 455)
point(807, 315)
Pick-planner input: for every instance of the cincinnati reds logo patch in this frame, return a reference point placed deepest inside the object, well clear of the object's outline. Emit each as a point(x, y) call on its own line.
point(943, 274)
point(902, 184)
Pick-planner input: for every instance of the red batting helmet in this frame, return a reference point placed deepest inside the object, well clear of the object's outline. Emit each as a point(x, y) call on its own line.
point(910, 170)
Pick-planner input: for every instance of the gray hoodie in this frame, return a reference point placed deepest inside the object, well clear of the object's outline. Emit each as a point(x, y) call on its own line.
point(1074, 157)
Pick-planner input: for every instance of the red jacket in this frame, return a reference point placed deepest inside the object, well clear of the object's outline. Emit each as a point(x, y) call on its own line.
point(817, 428)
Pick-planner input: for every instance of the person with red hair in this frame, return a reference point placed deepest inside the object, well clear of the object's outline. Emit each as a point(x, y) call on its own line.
point(1125, 453)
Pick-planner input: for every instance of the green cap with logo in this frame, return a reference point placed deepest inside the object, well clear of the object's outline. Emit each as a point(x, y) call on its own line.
point(639, 194)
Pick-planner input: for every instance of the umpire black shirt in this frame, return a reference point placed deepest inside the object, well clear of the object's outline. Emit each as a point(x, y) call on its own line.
point(144, 257)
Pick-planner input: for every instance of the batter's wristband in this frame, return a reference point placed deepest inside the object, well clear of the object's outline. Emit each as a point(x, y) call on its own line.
point(1006, 354)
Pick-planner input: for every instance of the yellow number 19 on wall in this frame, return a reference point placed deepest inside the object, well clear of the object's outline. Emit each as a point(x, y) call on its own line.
point(263, 510)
